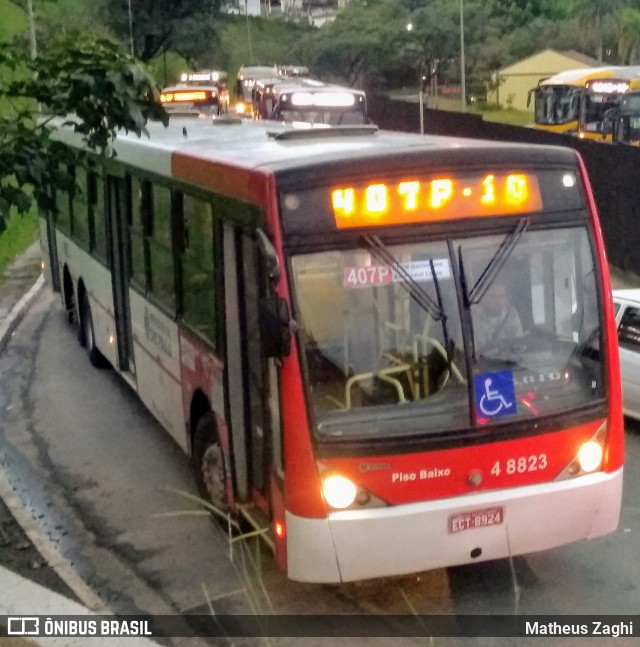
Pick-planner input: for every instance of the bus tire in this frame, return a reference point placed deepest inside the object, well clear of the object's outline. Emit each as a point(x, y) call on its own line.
point(208, 463)
point(68, 297)
point(87, 335)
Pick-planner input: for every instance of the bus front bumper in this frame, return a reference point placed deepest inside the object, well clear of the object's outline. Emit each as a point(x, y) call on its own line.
point(378, 542)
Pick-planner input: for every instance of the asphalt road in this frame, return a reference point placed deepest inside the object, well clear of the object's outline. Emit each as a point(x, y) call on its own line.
point(93, 470)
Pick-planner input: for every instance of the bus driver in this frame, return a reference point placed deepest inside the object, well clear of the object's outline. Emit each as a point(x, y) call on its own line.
point(495, 318)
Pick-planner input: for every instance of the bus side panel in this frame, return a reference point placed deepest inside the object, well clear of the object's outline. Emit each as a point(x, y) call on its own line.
point(399, 540)
point(157, 353)
point(96, 279)
point(614, 456)
point(201, 371)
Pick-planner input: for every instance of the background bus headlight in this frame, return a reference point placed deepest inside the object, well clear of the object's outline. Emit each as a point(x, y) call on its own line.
point(338, 491)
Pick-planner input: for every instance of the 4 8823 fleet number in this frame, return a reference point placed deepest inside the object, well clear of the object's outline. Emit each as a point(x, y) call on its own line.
point(520, 465)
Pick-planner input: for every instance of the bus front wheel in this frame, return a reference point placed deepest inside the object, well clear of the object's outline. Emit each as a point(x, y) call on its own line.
point(208, 462)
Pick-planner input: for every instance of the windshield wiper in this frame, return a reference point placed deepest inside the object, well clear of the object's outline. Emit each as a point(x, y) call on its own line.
point(382, 253)
point(434, 308)
point(488, 276)
point(496, 263)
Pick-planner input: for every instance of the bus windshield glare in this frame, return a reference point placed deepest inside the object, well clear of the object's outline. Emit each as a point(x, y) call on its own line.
point(382, 333)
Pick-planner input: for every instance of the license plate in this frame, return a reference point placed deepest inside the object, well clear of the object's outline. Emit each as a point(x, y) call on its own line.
point(476, 519)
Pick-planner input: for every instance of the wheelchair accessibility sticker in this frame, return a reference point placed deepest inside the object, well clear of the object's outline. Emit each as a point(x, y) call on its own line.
point(495, 394)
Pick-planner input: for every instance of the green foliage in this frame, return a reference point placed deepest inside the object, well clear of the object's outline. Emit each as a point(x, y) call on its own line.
point(519, 13)
point(361, 43)
point(20, 232)
point(104, 89)
point(168, 67)
point(629, 35)
point(256, 41)
point(13, 20)
point(156, 27)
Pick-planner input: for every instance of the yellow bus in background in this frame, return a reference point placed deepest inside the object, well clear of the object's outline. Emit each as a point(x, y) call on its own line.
point(575, 101)
point(622, 123)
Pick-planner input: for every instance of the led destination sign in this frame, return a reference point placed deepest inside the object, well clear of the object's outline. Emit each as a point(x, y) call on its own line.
point(441, 198)
point(185, 95)
point(610, 86)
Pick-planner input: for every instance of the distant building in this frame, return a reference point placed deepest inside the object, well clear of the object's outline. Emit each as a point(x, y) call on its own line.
point(315, 12)
point(514, 82)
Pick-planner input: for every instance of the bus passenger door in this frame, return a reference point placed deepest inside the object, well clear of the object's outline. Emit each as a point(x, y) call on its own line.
point(119, 246)
point(252, 379)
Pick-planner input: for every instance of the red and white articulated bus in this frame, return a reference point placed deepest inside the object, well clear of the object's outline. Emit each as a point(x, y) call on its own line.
point(322, 325)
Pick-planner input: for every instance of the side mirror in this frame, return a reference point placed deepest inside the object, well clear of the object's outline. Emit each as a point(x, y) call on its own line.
point(275, 327)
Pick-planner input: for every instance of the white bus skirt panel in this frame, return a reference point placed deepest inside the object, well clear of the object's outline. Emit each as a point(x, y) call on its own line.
point(378, 542)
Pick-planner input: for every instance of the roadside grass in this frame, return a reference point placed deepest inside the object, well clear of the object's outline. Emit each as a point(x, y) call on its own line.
point(452, 104)
point(509, 116)
point(21, 232)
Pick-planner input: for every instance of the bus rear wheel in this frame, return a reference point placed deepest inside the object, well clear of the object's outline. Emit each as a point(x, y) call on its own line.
point(87, 335)
point(208, 462)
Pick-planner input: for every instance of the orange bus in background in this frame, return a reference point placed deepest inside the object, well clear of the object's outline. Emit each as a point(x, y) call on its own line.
point(202, 93)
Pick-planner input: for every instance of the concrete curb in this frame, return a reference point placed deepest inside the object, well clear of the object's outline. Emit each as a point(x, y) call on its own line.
point(18, 312)
point(20, 596)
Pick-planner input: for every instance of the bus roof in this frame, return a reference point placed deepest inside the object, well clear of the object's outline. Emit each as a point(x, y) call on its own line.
point(580, 76)
point(257, 71)
point(202, 77)
point(267, 148)
point(304, 84)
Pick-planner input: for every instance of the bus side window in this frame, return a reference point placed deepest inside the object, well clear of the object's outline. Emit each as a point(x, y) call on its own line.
point(629, 330)
point(98, 214)
point(63, 203)
point(198, 288)
point(139, 204)
point(80, 208)
point(162, 284)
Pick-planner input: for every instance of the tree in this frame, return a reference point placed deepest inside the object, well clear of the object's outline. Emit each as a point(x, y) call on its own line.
point(629, 35)
point(104, 89)
point(436, 32)
point(156, 26)
point(360, 44)
point(593, 14)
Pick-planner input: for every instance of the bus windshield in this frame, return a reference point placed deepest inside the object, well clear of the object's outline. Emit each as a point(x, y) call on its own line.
point(595, 106)
point(556, 104)
point(628, 129)
point(383, 338)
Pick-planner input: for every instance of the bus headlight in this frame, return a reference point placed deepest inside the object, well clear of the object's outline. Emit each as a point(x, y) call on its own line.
point(339, 492)
point(590, 456)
